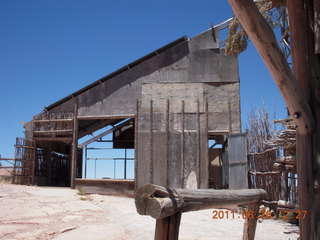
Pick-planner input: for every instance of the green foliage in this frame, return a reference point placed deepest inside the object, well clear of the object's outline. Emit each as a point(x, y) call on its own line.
point(81, 192)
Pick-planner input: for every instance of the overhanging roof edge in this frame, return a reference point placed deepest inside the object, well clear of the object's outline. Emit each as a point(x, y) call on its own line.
point(113, 74)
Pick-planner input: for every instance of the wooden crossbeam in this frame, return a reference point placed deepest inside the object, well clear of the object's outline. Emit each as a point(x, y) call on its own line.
point(105, 133)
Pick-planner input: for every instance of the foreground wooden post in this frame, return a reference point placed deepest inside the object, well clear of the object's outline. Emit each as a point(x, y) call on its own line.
point(250, 224)
point(167, 204)
point(168, 228)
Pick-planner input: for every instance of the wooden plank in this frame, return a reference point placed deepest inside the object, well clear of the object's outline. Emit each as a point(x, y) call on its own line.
point(168, 141)
point(49, 138)
point(54, 131)
point(182, 158)
point(198, 144)
point(151, 142)
point(175, 146)
point(160, 150)
point(53, 120)
point(136, 139)
point(143, 148)
point(204, 166)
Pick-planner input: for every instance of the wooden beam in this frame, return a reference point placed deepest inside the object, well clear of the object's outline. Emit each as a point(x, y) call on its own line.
point(55, 131)
point(105, 133)
point(264, 40)
point(159, 202)
point(54, 120)
point(50, 139)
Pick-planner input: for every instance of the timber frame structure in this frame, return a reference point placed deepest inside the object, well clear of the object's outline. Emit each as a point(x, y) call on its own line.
point(170, 103)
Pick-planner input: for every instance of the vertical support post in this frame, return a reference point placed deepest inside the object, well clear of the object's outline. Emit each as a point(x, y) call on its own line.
point(250, 224)
point(168, 228)
point(135, 146)
point(125, 163)
point(33, 162)
point(85, 161)
point(198, 144)
point(182, 145)
point(206, 163)
point(168, 140)
point(230, 117)
point(151, 142)
point(74, 146)
point(48, 163)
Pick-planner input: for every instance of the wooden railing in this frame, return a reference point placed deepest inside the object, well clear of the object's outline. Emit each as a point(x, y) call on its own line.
point(167, 204)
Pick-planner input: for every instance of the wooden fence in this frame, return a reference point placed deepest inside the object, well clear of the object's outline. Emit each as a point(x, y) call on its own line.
point(279, 184)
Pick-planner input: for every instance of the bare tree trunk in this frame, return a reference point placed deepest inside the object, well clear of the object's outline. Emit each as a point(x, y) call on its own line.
point(304, 92)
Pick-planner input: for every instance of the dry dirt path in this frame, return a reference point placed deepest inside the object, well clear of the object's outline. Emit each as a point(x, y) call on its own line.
point(60, 213)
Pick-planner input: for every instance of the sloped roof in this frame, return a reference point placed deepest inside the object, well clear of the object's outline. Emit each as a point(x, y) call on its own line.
point(113, 74)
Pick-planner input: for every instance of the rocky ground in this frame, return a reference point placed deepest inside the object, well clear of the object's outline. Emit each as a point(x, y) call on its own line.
point(28, 212)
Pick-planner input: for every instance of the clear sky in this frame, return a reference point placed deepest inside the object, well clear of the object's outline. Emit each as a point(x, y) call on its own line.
point(51, 48)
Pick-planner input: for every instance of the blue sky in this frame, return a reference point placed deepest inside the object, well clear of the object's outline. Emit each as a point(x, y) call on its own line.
point(51, 48)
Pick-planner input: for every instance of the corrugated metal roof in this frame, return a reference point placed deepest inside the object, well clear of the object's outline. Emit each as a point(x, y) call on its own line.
point(113, 74)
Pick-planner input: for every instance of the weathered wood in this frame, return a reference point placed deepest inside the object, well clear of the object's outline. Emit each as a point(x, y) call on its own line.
point(168, 228)
point(264, 39)
point(166, 167)
point(73, 173)
point(51, 139)
point(182, 169)
point(136, 124)
point(128, 122)
point(160, 202)
point(54, 131)
point(316, 21)
point(151, 142)
point(53, 120)
point(250, 224)
point(290, 160)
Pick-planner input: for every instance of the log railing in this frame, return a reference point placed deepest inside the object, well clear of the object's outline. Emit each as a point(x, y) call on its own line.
point(167, 204)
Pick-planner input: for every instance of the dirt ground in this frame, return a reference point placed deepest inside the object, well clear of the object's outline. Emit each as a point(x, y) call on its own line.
point(28, 212)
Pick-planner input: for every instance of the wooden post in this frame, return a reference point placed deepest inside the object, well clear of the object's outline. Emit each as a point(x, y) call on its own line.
point(167, 204)
point(151, 142)
point(182, 160)
point(265, 42)
point(74, 154)
point(306, 68)
point(48, 163)
point(168, 228)
point(300, 92)
point(136, 123)
point(250, 224)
